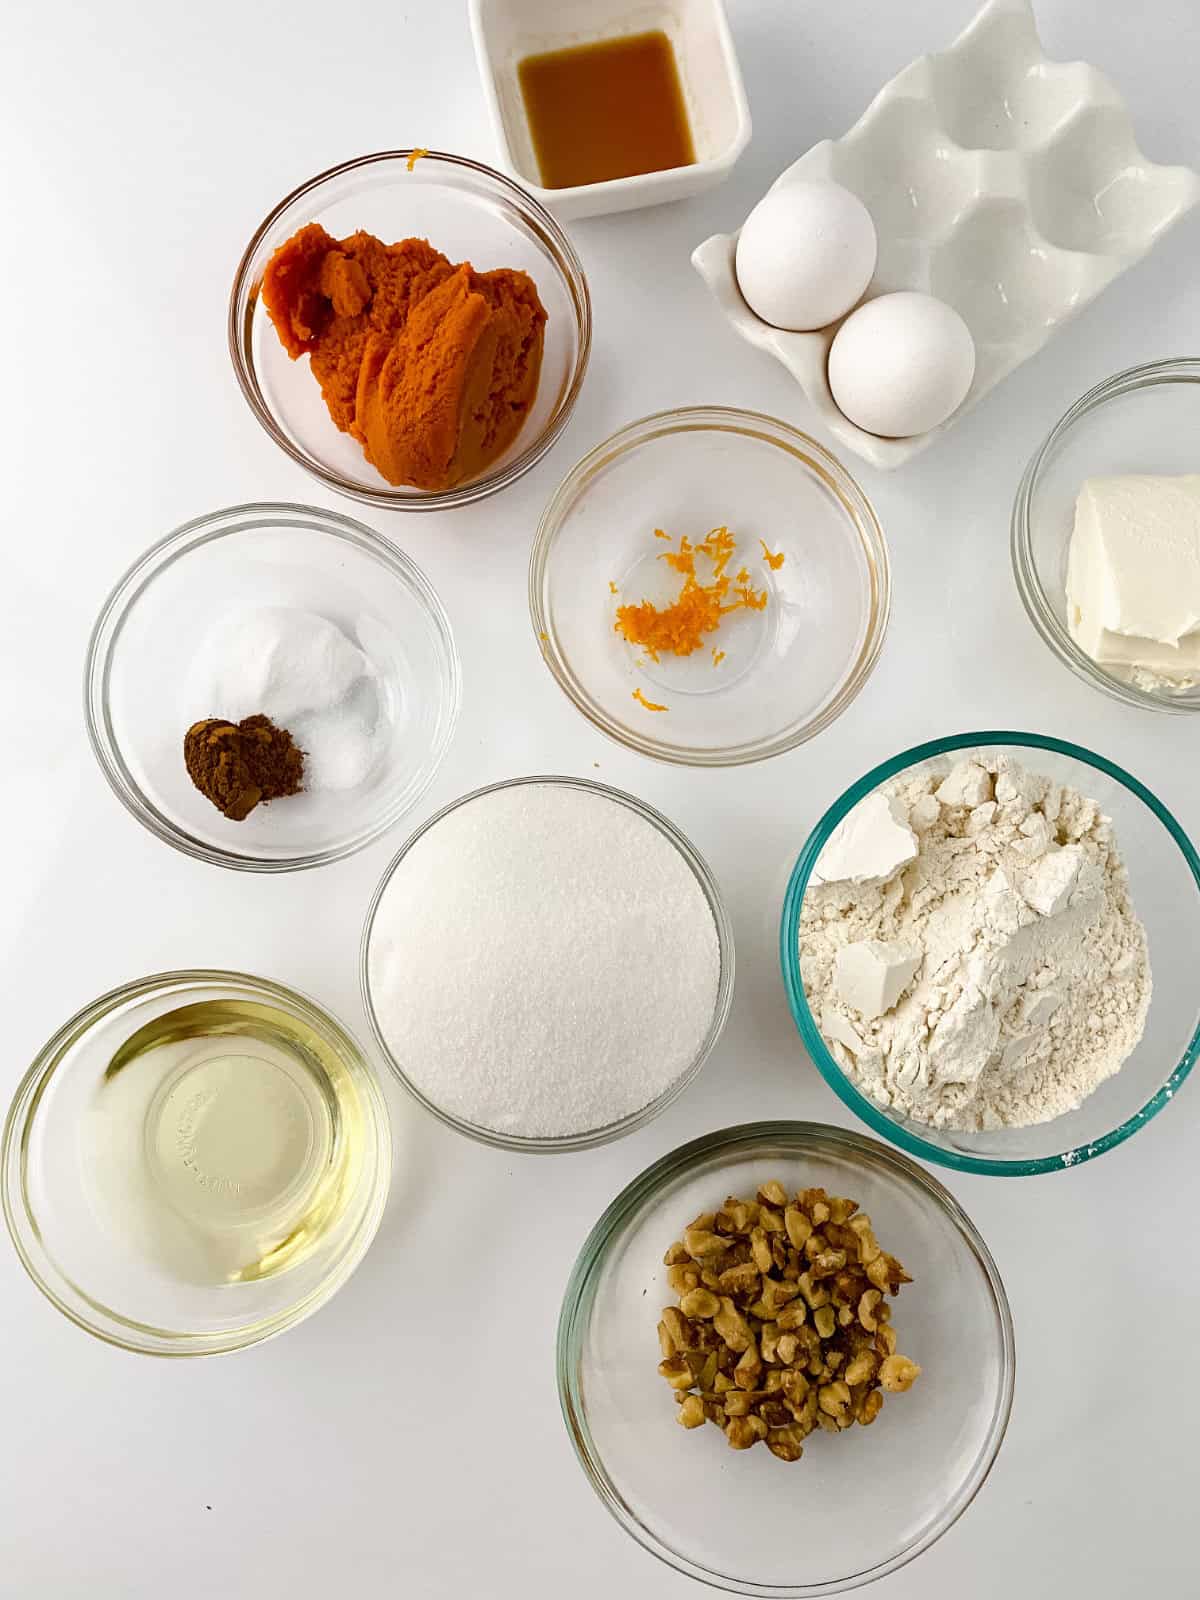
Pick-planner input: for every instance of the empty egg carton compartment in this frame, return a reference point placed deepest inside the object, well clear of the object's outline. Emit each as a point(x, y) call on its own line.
point(1008, 185)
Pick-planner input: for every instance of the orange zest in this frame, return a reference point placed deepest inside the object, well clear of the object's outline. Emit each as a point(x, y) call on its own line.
point(414, 156)
point(774, 559)
point(697, 610)
point(649, 704)
point(612, 588)
point(718, 656)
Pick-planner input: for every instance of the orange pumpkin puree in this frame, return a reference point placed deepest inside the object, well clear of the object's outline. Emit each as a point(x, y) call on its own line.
point(697, 610)
point(431, 366)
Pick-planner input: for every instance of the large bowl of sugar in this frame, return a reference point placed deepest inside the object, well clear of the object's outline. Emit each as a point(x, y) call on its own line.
point(547, 964)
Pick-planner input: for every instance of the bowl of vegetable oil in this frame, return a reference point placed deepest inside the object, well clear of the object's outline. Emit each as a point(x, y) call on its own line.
point(195, 1162)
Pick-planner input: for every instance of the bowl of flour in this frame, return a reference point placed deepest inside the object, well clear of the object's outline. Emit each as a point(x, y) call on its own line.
point(989, 945)
point(547, 964)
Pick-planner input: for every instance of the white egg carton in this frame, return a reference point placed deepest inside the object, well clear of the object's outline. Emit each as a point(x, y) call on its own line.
point(1008, 185)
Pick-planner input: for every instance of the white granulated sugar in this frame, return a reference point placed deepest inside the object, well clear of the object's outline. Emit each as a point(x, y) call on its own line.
point(1031, 979)
point(543, 962)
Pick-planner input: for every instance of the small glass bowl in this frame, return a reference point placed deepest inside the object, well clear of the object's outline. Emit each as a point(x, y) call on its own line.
point(1164, 885)
point(592, 1137)
point(470, 213)
point(1143, 420)
point(788, 671)
point(90, 1270)
point(856, 1506)
point(155, 620)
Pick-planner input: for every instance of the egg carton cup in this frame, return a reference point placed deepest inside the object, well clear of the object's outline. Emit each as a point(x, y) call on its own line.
point(1008, 185)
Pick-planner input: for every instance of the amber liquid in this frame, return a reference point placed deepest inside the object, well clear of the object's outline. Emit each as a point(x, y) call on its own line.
point(606, 110)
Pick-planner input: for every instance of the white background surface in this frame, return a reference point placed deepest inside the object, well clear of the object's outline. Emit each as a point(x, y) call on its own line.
point(407, 1439)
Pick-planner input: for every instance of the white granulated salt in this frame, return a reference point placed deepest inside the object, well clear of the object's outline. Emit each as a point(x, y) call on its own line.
point(301, 670)
point(543, 961)
point(992, 972)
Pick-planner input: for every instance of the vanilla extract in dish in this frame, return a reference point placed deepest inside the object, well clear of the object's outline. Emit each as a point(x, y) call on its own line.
point(613, 108)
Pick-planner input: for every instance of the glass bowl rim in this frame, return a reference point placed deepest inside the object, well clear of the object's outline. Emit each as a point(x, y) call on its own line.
point(1146, 375)
point(723, 419)
point(592, 1138)
point(862, 1106)
point(244, 293)
point(26, 1235)
point(652, 1180)
point(228, 522)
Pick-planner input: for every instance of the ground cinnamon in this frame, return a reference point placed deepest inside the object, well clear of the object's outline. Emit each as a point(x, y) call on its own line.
point(240, 765)
point(432, 367)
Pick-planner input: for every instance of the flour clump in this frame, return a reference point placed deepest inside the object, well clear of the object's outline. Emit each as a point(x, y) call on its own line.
point(997, 974)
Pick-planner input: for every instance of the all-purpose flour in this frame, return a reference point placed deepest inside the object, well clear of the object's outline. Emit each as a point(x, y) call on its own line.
point(543, 961)
point(969, 949)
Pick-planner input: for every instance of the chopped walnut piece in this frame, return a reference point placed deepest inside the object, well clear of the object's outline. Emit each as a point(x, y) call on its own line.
point(782, 1325)
point(898, 1373)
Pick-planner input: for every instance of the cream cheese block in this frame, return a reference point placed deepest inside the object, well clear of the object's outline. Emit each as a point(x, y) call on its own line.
point(1133, 576)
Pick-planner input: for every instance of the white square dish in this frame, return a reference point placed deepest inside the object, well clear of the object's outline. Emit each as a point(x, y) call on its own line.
point(1008, 185)
point(506, 31)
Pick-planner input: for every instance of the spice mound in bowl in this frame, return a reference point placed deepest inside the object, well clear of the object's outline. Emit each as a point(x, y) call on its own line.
point(967, 943)
point(546, 964)
point(431, 367)
point(271, 687)
point(244, 764)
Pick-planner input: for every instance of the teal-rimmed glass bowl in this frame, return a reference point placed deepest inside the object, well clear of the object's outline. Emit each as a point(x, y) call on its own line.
point(1164, 881)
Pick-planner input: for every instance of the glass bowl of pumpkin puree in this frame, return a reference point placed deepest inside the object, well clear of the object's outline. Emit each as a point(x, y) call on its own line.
point(412, 328)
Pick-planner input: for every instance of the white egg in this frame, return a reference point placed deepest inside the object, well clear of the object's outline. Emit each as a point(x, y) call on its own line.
point(901, 364)
point(805, 255)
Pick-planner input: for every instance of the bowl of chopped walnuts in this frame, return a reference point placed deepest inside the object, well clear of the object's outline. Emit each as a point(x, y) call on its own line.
point(785, 1359)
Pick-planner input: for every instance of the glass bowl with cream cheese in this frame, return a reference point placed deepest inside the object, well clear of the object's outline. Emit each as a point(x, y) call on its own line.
point(989, 949)
point(195, 1162)
point(1106, 537)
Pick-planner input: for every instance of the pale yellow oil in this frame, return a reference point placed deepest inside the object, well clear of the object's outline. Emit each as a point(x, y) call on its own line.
point(225, 1141)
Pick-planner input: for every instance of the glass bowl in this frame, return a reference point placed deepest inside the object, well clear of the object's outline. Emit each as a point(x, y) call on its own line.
point(470, 213)
point(87, 1258)
point(1143, 420)
point(856, 1506)
point(789, 670)
point(137, 697)
point(1164, 885)
point(408, 1072)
